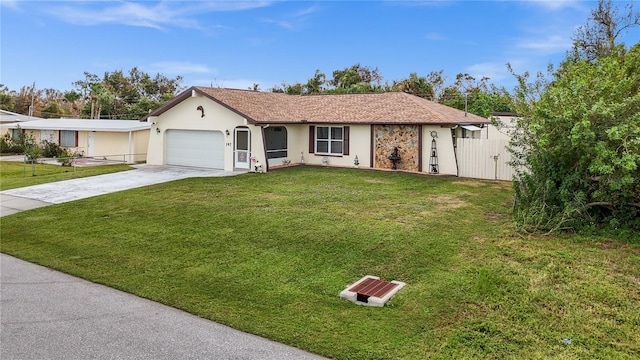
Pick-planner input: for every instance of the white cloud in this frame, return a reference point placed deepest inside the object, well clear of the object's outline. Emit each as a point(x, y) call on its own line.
point(295, 19)
point(179, 68)
point(146, 14)
point(280, 23)
point(435, 36)
point(554, 5)
point(10, 3)
point(551, 44)
point(494, 71)
point(421, 2)
point(307, 11)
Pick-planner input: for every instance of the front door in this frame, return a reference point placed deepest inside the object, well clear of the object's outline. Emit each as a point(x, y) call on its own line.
point(90, 143)
point(242, 148)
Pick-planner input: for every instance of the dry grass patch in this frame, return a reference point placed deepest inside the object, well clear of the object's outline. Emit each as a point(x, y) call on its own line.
point(376, 181)
point(446, 202)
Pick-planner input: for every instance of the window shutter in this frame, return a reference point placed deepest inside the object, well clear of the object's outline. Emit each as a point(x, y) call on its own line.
point(76, 141)
point(345, 141)
point(312, 139)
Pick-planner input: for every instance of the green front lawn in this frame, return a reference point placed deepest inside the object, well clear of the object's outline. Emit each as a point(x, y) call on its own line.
point(269, 254)
point(16, 174)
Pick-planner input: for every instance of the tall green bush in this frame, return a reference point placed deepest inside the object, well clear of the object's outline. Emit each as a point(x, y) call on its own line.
point(581, 147)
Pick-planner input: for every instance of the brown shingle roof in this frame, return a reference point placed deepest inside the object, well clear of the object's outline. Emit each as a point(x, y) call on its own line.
point(377, 108)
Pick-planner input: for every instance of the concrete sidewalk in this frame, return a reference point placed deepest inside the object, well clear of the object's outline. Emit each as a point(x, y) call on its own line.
point(10, 204)
point(45, 314)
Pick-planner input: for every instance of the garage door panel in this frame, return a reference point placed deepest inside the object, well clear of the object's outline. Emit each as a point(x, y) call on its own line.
point(195, 148)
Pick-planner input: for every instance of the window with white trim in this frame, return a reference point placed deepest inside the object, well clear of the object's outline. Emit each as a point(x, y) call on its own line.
point(329, 140)
point(68, 138)
point(16, 134)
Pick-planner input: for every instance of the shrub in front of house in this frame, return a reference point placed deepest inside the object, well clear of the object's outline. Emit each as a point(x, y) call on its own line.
point(51, 149)
point(9, 146)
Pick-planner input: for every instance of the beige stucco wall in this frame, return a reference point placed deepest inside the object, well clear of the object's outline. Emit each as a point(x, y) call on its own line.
point(116, 145)
point(83, 141)
point(35, 134)
point(297, 136)
point(444, 148)
point(359, 145)
point(185, 116)
point(4, 130)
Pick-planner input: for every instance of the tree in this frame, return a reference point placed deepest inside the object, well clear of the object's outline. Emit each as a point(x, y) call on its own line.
point(6, 100)
point(100, 97)
point(436, 79)
point(356, 79)
point(579, 146)
point(415, 85)
point(117, 95)
point(24, 98)
point(598, 37)
point(289, 89)
point(495, 99)
point(52, 110)
point(465, 92)
point(314, 84)
point(72, 103)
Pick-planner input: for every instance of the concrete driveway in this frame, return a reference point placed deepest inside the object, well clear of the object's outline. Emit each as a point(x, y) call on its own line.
point(30, 197)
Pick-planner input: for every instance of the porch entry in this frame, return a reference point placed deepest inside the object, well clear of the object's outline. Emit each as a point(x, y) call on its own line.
point(276, 142)
point(242, 149)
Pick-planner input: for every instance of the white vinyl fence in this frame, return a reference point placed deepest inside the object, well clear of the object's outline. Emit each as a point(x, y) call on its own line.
point(484, 159)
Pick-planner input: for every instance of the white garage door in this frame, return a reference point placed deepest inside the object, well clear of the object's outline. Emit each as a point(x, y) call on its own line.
point(195, 148)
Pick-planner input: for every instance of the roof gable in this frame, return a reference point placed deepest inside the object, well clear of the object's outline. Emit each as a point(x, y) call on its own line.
point(374, 108)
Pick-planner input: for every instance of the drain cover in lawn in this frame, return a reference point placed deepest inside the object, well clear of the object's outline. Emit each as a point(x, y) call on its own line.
point(371, 291)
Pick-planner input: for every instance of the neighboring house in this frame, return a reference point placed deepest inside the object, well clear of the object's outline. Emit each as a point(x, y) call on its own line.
point(241, 129)
point(121, 140)
point(7, 117)
point(507, 123)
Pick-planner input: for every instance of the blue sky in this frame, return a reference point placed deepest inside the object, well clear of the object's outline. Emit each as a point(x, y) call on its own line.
point(236, 44)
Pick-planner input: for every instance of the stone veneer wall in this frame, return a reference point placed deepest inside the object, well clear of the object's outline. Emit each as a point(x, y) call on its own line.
point(405, 137)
